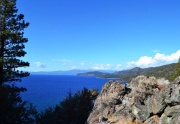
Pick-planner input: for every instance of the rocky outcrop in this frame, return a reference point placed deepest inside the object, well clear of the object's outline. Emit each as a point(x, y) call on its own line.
point(143, 101)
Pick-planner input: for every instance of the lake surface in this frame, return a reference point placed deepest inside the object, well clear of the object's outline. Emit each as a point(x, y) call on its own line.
point(48, 90)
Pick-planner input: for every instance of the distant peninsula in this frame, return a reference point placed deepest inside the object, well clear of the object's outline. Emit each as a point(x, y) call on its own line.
point(126, 75)
point(93, 73)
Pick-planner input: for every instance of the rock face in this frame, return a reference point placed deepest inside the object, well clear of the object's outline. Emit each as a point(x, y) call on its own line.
point(143, 101)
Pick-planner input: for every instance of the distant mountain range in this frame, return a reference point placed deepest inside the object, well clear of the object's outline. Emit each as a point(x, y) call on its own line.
point(93, 73)
point(126, 75)
point(68, 72)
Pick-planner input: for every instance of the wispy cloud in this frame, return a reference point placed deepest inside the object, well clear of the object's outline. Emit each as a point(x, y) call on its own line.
point(63, 60)
point(144, 61)
point(158, 59)
point(74, 67)
point(156, 51)
point(102, 66)
point(118, 67)
point(40, 64)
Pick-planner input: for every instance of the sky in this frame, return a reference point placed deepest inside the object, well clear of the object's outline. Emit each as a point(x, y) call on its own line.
point(100, 34)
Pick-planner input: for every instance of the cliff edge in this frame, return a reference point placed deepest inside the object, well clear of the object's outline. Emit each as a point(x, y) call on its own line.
point(143, 101)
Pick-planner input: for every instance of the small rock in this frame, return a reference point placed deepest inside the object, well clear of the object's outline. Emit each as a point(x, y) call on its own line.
point(172, 111)
point(155, 104)
point(141, 112)
point(153, 120)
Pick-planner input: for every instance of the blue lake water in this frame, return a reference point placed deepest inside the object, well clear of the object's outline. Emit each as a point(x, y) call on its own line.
point(48, 90)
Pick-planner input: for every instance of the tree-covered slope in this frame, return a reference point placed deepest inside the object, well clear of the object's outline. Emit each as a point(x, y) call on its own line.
point(162, 71)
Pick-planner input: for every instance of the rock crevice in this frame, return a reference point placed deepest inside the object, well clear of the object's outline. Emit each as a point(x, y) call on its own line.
point(143, 101)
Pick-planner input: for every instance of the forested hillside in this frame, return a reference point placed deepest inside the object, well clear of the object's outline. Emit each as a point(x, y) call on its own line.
point(126, 75)
point(162, 71)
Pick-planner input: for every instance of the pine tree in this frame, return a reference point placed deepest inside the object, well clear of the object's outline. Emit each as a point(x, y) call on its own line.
point(12, 109)
point(176, 72)
point(12, 27)
point(74, 109)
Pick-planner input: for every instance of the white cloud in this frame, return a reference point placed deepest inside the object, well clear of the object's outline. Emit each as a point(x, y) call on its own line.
point(82, 63)
point(102, 66)
point(157, 60)
point(74, 67)
point(63, 60)
point(107, 67)
point(40, 64)
point(168, 58)
point(118, 67)
point(143, 61)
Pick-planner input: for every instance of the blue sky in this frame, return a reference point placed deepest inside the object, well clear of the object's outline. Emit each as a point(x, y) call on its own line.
point(100, 34)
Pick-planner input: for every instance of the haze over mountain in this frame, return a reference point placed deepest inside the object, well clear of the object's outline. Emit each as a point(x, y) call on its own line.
point(68, 72)
point(126, 75)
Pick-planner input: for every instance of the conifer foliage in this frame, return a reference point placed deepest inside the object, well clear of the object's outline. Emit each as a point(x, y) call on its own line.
point(12, 109)
point(12, 27)
point(176, 71)
point(74, 109)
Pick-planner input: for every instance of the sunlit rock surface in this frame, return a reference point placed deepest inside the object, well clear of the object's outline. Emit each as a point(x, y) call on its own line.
point(143, 101)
